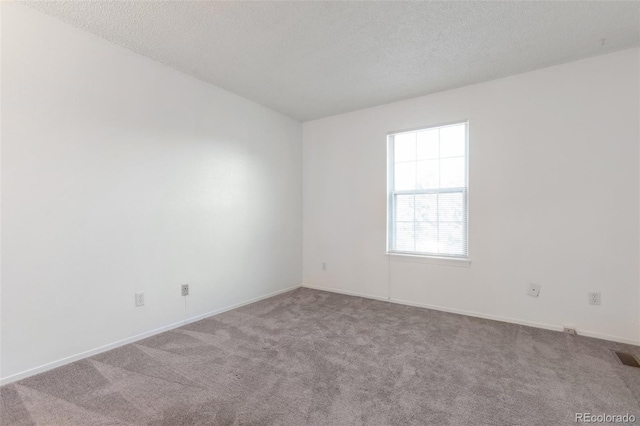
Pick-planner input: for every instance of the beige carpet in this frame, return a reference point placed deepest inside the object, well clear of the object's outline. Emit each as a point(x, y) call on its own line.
point(311, 357)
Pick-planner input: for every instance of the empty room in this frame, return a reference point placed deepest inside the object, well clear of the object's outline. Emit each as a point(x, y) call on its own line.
point(319, 213)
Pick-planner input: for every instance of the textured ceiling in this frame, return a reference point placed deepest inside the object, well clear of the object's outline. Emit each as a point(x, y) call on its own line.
point(314, 59)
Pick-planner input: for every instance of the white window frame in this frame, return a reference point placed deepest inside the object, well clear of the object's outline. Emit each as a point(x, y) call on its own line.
point(438, 258)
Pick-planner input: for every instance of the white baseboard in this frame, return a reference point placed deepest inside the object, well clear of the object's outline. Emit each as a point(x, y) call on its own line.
point(238, 305)
point(132, 339)
point(348, 293)
point(552, 327)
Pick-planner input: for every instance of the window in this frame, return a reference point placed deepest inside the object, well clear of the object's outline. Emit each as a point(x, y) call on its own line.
point(427, 191)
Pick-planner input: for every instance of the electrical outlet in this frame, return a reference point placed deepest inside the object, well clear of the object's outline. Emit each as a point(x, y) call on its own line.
point(184, 289)
point(139, 299)
point(534, 290)
point(324, 266)
point(570, 330)
point(594, 298)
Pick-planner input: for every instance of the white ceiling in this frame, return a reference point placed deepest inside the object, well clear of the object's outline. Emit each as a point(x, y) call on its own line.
point(314, 59)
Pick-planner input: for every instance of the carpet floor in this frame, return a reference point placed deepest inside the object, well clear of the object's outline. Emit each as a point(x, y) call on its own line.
point(309, 357)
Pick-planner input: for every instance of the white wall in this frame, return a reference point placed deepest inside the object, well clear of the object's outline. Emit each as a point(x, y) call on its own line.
point(553, 199)
point(122, 175)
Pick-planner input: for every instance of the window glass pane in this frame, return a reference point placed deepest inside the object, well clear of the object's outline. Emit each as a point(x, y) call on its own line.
point(428, 174)
point(452, 172)
point(404, 236)
point(428, 144)
point(426, 237)
point(427, 207)
point(404, 208)
point(451, 207)
point(405, 176)
point(450, 238)
point(404, 147)
point(453, 141)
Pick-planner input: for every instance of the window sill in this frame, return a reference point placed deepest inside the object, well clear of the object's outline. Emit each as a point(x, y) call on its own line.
point(433, 260)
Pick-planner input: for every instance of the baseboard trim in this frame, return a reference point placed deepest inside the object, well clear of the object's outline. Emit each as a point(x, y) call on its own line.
point(347, 293)
point(238, 305)
point(67, 360)
point(552, 327)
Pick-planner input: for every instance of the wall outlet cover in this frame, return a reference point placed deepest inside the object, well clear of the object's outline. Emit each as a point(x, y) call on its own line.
point(595, 298)
point(140, 299)
point(534, 290)
point(184, 289)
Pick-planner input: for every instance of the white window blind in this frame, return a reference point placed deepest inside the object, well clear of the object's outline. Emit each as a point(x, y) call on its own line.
point(427, 191)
